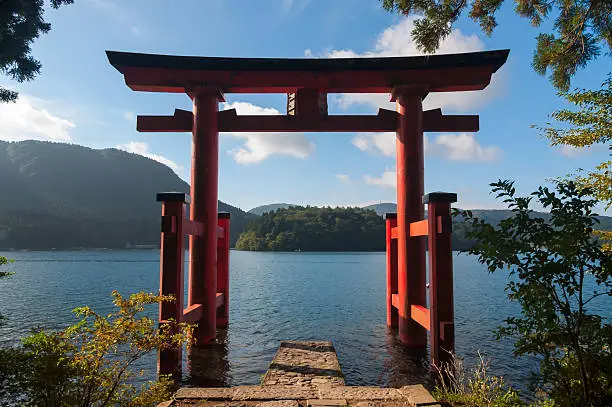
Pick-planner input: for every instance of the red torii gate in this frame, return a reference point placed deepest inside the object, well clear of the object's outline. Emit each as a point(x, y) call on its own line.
point(307, 83)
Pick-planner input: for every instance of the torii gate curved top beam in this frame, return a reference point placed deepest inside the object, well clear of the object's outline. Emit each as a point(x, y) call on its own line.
point(442, 73)
point(307, 83)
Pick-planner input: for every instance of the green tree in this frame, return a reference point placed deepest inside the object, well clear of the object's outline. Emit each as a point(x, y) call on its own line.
point(21, 22)
point(91, 363)
point(582, 29)
point(589, 125)
point(557, 270)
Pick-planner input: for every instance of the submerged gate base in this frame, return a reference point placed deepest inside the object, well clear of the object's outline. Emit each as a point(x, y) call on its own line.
point(303, 374)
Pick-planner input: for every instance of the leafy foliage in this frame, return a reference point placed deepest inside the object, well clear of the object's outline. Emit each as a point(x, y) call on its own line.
point(557, 270)
point(582, 29)
point(476, 386)
point(315, 229)
point(90, 363)
point(21, 22)
point(591, 124)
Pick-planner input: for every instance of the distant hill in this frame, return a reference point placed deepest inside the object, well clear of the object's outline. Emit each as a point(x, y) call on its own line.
point(55, 195)
point(382, 208)
point(260, 210)
point(493, 216)
point(315, 229)
point(344, 229)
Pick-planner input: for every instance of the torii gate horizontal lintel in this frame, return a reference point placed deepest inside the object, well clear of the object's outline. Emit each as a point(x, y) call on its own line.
point(384, 121)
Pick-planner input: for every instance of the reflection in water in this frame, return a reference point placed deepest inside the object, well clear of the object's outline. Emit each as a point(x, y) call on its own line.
point(208, 365)
point(404, 365)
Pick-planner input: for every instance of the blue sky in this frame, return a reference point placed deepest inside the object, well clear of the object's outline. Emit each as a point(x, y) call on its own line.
point(79, 98)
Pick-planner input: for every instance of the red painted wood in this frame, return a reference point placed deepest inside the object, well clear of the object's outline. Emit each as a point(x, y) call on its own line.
point(219, 300)
point(193, 228)
point(394, 233)
point(441, 283)
point(421, 315)
point(223, 270)
point(230, 121)
point(182, 120)
point(391, 244)
point(452, 79)
point(204, 183)
point(385, 120)
point(419, 228)
point(410, 188)
point(171, 281)
point(395, 301)
point(193, 314)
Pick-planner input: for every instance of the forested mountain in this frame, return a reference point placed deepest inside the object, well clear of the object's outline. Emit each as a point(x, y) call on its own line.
point(344, 229)
point(382, 208)
point(315, 229)
point(260, 210)
point(55, 195)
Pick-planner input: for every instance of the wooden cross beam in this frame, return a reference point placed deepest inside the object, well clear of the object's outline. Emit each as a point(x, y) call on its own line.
point(384, 121)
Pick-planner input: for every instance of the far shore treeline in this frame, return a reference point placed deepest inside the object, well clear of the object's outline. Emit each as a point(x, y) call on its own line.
point(66, 197)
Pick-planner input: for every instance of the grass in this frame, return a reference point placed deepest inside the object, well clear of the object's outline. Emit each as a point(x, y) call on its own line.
point(477, 387)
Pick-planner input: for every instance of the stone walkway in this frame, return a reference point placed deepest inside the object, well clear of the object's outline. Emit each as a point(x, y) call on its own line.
point(325, 395)
point(303, 374)
point(302, 364)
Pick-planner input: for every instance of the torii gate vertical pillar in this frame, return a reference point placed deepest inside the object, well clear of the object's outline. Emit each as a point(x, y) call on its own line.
point(410, 190)
point(204, 192)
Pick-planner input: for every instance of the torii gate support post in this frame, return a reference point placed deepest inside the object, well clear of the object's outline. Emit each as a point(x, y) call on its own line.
point(172, 260)
point(391, 223)
point(441, 308)
point(204, 206)
point(223, 268)
point(410, 190)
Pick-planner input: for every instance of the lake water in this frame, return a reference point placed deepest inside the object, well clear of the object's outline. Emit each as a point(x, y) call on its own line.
point(273, 297)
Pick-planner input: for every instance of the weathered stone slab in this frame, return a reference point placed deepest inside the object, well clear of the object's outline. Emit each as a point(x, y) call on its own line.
point(417, 394)
point(359, 393)
point(165, 403)
point(278, 403)
point(273, 393)
point(204, 393)
point(304, 364)
point(326, 403)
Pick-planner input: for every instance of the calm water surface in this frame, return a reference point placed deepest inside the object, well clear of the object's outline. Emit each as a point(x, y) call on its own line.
point(273, 297)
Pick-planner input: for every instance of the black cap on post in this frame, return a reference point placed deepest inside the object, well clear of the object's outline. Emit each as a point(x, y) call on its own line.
point(390, 215)
point(439, 197)
point(173, 197)
point(224, 215)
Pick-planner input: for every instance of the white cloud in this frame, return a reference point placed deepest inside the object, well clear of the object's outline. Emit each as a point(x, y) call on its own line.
point(387, 179)
point(343, 177)
point(259, 146)
point(293, 8)
point(571, 151)
point(140, 148)
point(382, 142)
point(129, 116)
point(454, 147)
point(28, 119)
point(119, 14)
point(396, 40)
point(462, 147)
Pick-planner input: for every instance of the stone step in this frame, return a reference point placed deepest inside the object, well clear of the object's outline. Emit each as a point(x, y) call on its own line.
point(304, 364)
point(272, 396)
